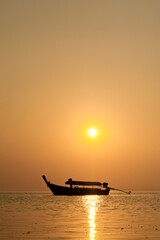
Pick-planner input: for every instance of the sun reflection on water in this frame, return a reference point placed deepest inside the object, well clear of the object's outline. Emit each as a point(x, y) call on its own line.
point(92, 204)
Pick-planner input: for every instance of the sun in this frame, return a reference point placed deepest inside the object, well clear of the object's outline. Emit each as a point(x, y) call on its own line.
point(92, 132)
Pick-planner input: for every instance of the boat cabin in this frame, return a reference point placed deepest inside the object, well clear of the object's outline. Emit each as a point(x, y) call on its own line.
point(83, 183)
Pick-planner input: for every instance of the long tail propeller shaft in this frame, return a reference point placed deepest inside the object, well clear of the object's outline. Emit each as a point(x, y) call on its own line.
point(120, 190)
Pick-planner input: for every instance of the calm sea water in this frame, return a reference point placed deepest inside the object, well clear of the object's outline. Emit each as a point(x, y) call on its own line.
point(40, 215)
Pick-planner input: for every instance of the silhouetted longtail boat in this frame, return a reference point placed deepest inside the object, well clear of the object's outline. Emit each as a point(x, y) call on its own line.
point(91, 188)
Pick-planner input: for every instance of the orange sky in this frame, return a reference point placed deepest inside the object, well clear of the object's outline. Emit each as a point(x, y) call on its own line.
point(70, 65)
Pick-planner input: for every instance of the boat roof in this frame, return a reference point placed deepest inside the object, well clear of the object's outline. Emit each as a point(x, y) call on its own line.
point(82, 183)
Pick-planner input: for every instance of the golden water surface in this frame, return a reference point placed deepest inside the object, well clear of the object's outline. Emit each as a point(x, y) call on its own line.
point(32, 215)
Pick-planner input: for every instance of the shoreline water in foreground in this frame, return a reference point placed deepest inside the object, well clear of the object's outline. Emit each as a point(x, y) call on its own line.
point(40, 215)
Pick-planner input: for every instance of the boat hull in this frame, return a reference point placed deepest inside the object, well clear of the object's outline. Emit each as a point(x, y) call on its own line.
point(76, 191)
point(59, 190)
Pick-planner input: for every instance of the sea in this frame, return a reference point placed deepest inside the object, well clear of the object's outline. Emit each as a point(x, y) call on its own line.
point(41, 215)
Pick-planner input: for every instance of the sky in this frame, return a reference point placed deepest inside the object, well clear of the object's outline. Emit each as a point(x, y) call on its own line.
point(67, 66)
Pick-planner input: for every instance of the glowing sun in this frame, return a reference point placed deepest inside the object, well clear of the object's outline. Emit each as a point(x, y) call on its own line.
point(92, 132)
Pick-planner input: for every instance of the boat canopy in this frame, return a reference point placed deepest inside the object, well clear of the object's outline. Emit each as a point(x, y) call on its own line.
point(82, 183)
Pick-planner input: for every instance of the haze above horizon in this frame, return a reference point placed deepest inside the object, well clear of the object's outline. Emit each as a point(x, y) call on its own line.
point(70, 66)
